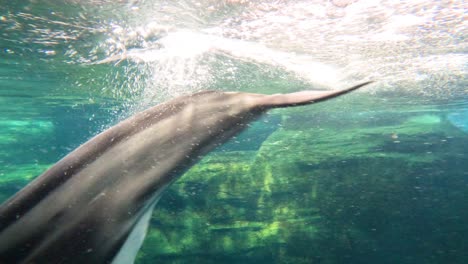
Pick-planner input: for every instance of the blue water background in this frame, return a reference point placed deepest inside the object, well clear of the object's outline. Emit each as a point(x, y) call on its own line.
point(401, 200)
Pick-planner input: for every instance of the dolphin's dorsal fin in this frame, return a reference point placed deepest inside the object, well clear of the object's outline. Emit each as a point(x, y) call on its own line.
point(304, 97)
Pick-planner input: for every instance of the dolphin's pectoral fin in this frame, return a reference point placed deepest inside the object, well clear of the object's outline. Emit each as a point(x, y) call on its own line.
point(304, 97)
point(132, 245)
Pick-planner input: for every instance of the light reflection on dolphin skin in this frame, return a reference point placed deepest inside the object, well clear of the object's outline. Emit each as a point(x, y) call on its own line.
point(94, 205)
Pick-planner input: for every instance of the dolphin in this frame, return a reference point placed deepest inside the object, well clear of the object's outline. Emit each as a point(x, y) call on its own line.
point(94, 205)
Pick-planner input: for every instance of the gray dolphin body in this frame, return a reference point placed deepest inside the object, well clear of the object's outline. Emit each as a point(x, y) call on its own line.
point(94, 205)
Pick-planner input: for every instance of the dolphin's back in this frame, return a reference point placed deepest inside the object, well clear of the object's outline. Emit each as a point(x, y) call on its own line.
point(85, 207)
point(29, 220)
point(75, 161)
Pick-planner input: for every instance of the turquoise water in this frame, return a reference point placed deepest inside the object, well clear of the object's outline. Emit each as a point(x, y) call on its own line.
point(379, 176)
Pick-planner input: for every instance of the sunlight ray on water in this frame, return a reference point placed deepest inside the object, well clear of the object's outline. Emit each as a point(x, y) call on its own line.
point(181, 45)
point(327, 45)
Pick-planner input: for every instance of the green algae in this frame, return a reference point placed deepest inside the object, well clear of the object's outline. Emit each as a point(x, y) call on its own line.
point(24, 173)
point(19, 165)
point(426, 119)
point(306, 194)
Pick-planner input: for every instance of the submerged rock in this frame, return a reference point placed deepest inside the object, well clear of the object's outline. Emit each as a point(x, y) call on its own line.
point(333, 193)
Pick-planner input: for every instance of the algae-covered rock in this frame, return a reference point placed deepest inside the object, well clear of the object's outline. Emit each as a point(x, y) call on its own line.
point(19, 165)
point(334, 192)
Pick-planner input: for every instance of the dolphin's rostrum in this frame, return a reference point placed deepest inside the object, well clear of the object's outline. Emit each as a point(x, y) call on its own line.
point(94, 205)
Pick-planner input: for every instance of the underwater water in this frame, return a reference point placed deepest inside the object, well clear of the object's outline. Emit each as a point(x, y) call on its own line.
point(377, 176)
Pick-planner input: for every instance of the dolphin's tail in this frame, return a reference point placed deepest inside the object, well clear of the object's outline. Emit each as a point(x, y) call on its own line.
point(304, 97)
